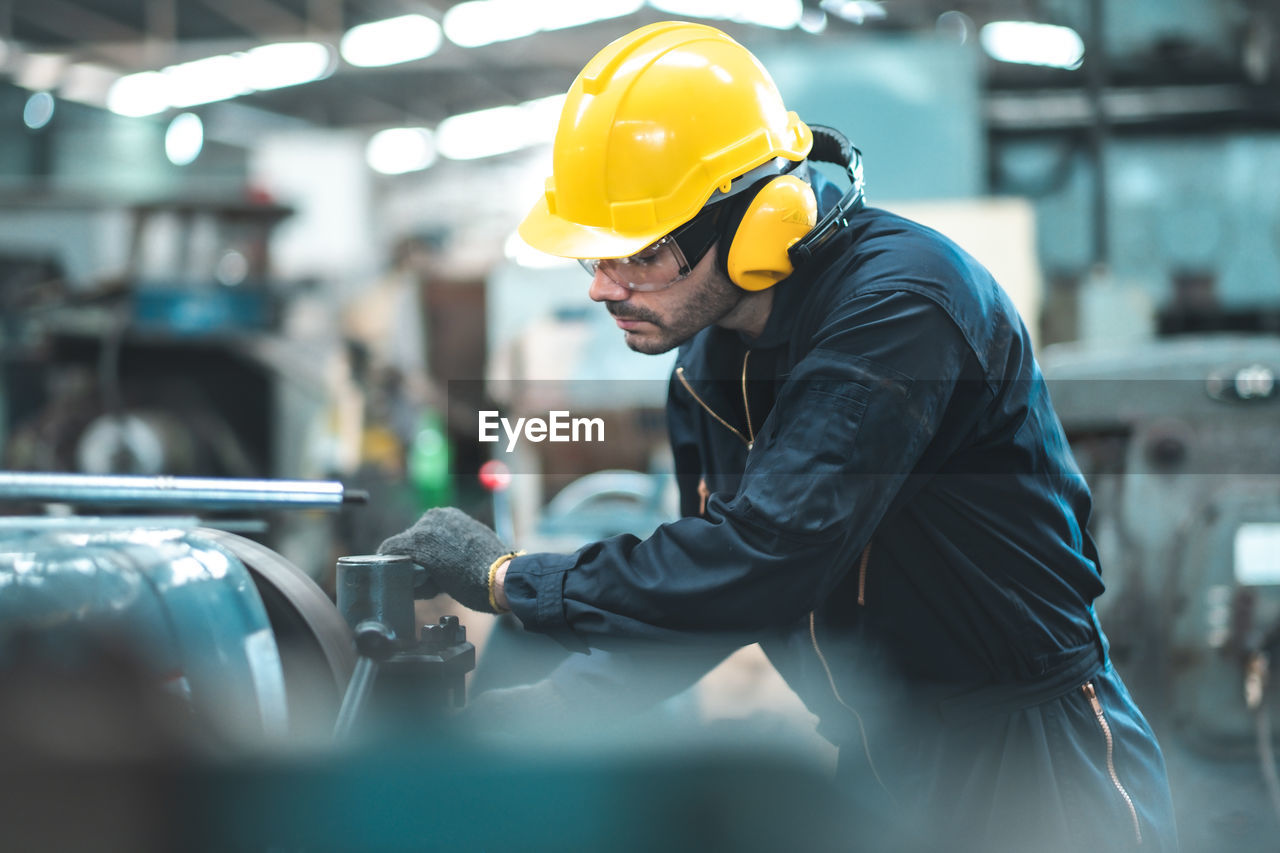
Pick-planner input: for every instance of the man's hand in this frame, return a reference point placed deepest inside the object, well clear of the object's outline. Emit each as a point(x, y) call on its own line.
point(456, 550)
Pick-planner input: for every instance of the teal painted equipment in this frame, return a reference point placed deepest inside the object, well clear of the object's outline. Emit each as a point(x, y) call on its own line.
point(185, 604)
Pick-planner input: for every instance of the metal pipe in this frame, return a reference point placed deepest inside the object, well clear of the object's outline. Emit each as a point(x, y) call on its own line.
point(198, 492)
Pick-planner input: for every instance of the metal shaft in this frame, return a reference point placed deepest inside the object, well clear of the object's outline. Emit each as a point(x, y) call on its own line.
point(356, 697)
point(199, 492)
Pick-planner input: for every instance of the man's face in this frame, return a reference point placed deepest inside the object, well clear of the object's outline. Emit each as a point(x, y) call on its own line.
point(660, 320)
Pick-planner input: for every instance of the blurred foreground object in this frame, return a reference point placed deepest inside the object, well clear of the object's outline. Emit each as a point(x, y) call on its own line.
point(168, 686)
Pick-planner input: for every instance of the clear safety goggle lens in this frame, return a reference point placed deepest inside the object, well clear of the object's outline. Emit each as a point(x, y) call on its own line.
point(656, 267)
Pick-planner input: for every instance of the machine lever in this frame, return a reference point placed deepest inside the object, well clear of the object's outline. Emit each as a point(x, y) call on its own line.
point(375, 643)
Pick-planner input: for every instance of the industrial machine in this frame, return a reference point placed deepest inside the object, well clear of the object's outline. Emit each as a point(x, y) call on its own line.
point(1177, 438)
point(166, 685)
point(248, 640)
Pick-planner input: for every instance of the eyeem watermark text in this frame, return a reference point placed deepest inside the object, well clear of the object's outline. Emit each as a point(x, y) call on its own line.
point(558, 426)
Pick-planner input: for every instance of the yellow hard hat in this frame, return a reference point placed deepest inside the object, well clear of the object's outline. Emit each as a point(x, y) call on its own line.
point(655, 124)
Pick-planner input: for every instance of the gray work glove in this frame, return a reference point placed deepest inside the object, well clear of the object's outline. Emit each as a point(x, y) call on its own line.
point(456, 550)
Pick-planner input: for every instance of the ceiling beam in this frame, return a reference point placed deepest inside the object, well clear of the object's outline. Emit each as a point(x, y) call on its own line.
point(96, 34)
point(262, 19)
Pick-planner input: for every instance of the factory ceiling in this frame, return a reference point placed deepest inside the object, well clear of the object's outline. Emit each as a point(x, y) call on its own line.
point(129, 36)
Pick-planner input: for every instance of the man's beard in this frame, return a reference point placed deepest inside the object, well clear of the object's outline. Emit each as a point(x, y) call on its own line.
point(703, 306)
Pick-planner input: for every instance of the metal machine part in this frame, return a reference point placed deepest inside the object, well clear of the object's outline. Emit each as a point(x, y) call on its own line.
point(316, 652)
point(417, 673)
point(184, 608)
point(249, 643)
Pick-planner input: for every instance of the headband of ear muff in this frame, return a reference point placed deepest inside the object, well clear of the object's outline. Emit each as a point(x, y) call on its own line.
point(773, 227)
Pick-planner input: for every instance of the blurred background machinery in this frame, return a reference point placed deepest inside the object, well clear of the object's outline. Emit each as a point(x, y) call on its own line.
point(1178, 440)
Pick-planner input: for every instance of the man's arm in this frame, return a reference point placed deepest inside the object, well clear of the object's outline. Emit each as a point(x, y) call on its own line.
point(846, 430)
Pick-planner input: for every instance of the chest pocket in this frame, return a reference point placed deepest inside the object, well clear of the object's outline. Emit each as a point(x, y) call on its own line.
point(802, 475)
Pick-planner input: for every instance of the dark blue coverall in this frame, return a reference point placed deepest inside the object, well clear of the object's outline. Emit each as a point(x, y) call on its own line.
point(892, 510)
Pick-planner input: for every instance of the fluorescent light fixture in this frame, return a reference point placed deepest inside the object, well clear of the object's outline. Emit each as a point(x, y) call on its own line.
point(777, 14)
point(1029, 43)
point(142, 94)
point(184, 139)
point(480, 22)
point(400, 149)
point(560, 14)
point(520, 252)
point(274, 66)
point(500, 130)
point(855, 11)
point(541, 117)
point(38, 110)
point(40, 72)
point(218, 78)
point(203, 81)
point(391, 41)
point(87, 83)
point(483, 133)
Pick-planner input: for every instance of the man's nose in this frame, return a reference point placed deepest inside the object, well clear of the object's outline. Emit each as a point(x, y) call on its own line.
point(605, 289)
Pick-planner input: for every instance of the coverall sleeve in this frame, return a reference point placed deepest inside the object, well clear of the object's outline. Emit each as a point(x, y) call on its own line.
point(846, 429)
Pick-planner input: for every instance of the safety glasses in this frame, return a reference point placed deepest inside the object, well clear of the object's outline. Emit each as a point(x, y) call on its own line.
point(664, 263)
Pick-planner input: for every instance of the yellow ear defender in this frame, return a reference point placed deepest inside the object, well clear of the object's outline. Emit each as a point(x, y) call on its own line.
point(781, 214)
point(779, 228)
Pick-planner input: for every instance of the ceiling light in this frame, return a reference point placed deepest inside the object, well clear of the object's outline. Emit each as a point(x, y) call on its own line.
point(560, 14)
point(142, 94)
point(399, 150)
point(500, 130)
point(184, 139)
point(483, 133)
point(855, 11)
point(778, 14)
point(87, 83)
point(480, 22)
point(1029, 43)
point(41, 72)
point(541, 117)
point(391, 41)
point(38, 111)
point(218, 78)
point(274, 66)
point(203, 81)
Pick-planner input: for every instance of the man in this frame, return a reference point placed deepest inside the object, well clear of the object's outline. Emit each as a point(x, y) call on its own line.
point(874, 483)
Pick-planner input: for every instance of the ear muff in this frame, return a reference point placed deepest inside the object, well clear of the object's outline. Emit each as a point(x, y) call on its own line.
point(782, 212)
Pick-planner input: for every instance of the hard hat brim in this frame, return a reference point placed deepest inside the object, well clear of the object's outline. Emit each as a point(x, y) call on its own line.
point(555, 235)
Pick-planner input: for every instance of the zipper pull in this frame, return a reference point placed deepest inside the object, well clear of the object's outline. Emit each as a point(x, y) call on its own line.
point(1092, 696)
point(1255, 680)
